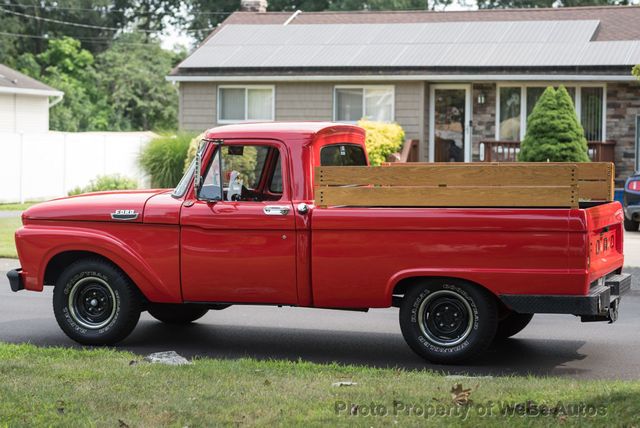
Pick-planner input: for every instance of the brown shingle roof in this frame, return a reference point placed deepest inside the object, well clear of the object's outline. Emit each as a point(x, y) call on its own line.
point(10, 78)
point(616, 22)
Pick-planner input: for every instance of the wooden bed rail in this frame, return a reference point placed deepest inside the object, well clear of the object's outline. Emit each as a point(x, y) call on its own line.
point(465, 184)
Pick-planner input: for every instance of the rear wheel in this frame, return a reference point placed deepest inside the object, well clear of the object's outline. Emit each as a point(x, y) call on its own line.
point(631, 225)
point(95, 303)
point(448, 321)
point(512, 324)
point(177, 314)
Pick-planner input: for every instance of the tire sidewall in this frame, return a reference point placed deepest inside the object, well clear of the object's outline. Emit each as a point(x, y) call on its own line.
point(483, 314)
point(123, 302)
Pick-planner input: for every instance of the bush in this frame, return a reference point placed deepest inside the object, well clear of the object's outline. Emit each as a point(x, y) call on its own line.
point(163, 159)
point(554, 133)
point(382, 140)
point(106, 182)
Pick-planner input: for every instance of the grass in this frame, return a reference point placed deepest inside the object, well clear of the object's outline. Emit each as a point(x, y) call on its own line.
point(103, 387)
point(16, 206)
point(8, 226)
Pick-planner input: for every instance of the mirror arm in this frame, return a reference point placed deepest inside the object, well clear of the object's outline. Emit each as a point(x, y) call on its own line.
point(221, 181)
point(198, 179)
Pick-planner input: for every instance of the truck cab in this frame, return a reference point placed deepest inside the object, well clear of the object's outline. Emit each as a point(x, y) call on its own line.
point(243, 227)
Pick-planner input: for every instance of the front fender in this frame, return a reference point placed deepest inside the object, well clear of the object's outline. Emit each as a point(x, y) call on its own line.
point(147, 254)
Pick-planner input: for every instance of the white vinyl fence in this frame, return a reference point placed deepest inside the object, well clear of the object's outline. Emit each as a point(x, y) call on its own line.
point(48, 165)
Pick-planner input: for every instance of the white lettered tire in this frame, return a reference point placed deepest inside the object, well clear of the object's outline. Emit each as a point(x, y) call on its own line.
point(95, 303)
point(448, 321)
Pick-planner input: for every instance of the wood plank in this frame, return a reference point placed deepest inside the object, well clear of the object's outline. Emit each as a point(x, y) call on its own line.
point(588, 173)
point(590, 170)
point(474, 196)
point(478, 174)
point(595, 191)
point(586, 170)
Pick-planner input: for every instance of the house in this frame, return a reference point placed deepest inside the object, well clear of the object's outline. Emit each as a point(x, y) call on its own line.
point(24, 102)
point(462, 83)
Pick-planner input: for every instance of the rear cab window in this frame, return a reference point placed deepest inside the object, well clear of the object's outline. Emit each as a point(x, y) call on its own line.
point(342, 155)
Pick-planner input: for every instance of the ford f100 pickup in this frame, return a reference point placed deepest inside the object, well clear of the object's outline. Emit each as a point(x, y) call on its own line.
point(291, 214)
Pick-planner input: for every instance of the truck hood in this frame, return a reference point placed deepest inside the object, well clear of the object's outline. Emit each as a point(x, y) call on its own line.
point(121, 206)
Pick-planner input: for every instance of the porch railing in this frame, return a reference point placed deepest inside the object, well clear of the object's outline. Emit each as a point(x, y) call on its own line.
point(408, 152)
point(507, 151)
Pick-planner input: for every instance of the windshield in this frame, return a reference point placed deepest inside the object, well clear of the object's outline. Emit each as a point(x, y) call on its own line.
point(181, 188)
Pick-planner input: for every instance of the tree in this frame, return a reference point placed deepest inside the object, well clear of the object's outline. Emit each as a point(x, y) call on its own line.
point(636, 71)
point(67, 67)
point(553, 131)
point(150, 16)
point(121, 89)
point(207, 14)
point(38, 21)
point(507, 4)
point(131, 75)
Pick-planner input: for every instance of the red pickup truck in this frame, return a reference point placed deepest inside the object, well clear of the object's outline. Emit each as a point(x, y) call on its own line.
point(242, 228)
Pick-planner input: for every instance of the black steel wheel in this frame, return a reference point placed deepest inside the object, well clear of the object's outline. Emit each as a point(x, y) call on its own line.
point(448, 321)
point(95, 303)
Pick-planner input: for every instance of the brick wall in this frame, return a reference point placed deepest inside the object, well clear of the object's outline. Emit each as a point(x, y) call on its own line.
point(623, 105)
point(484, 116)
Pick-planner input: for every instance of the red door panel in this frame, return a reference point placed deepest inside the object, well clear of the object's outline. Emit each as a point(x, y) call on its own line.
point(235, 252)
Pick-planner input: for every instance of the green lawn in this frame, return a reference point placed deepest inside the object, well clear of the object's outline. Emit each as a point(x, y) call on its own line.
point(67, 387)
point(16, 206)
point(8, 226)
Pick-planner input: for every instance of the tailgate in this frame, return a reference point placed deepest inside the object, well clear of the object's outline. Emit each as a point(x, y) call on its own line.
point(605, 239)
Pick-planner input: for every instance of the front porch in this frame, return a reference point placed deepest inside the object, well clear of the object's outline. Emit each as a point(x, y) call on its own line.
point(507, 151)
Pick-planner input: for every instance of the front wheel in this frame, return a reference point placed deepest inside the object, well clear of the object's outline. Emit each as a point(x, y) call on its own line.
point(448, 321)
point(95, 303)
point(177, 313)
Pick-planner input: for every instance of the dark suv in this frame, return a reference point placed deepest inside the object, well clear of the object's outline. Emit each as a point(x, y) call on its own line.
point(632, 203)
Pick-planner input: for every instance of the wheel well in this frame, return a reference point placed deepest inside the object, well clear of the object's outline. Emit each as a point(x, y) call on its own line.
point(59, 263)
point(403, 285)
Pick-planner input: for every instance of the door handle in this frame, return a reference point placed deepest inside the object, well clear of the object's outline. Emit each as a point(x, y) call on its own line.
point(276, 210)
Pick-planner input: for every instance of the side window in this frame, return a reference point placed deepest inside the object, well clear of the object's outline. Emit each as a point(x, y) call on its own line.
point(342, 155)
point(276, 180)
point(243, 170)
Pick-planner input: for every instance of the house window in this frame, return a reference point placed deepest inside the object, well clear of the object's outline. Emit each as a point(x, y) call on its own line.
point(510, 105)
point(591, 104)
point(353, 103)
point(241, 104)
point(515, 104)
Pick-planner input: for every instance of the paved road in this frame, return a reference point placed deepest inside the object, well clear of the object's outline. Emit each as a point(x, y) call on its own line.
point(551, 345)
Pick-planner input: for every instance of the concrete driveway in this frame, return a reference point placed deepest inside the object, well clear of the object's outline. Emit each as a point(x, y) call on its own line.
point(551, 345)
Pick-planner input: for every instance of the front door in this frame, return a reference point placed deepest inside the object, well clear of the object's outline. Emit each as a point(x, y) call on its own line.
point(450, 123)
point(242, 248)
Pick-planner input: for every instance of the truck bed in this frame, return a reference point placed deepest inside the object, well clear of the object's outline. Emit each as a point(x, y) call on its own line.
point(360, 255)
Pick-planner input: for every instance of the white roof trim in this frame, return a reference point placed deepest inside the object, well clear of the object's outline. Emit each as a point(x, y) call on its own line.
point(25, 91)
point(406, 77)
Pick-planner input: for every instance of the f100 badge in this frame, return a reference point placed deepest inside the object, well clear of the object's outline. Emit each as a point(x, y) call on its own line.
point(124, 215)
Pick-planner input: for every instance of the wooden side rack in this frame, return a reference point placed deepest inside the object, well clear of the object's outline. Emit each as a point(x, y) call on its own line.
point(465, 184)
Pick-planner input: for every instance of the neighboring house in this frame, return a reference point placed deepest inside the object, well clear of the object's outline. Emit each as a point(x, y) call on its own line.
point(462, 83)
point(24, 102)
